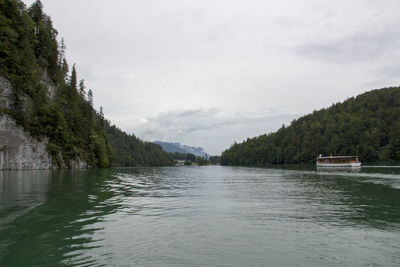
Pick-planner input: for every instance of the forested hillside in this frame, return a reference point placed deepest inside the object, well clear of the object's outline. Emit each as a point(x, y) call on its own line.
point(128, 150)
point(368, 126)
point(49, 101)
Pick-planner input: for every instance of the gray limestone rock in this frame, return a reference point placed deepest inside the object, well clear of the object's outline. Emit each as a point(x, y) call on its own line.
point(19, 150)
point(49, 84)
point(5, 93)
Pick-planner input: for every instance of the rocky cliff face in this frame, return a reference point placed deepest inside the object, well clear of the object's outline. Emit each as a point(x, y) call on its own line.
point(48, 83)
point(18, 149)
point(5, 93)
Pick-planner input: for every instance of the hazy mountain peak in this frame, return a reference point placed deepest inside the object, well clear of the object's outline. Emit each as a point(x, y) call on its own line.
point(173, 147)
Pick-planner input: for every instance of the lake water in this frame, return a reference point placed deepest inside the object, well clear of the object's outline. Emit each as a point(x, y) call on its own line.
point(200, 216)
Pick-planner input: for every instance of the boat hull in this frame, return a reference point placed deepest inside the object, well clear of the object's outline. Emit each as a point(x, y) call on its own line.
point(344, 164)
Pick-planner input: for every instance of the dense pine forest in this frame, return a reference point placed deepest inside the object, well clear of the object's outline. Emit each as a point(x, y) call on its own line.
point(129, 151)
point(368, 126)
point(49, 101)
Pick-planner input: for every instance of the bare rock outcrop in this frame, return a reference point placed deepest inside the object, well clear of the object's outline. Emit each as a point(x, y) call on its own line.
point(19, 150)
point(5, 93)
point(49, 84)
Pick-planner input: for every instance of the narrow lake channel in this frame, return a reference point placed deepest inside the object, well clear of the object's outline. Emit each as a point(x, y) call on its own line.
point(200, 216)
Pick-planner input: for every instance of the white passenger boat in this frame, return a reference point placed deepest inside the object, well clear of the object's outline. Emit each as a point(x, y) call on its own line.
point(338, 161)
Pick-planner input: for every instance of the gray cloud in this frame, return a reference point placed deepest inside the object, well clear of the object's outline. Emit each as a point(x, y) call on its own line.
point(359, 47)
point(385, 74)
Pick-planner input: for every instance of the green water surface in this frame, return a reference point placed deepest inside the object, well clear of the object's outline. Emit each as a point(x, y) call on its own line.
point(201, 216)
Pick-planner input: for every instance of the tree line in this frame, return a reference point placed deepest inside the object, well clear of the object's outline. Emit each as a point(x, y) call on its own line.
point(190, 159)
point(367, 125)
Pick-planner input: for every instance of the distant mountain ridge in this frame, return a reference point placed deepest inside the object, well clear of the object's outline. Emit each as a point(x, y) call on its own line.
point(183, 149)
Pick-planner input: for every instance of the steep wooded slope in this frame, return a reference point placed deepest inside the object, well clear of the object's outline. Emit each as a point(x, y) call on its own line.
point(367, 125)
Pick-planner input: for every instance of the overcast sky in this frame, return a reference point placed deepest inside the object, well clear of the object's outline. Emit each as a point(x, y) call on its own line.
point(208, 73)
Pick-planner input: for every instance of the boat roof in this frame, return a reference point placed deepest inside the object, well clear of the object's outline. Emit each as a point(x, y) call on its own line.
point(333, 157)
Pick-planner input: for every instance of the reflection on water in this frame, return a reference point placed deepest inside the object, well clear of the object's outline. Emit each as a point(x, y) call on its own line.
point(49, 216)
point(200, 216)
point(338, 169)
point(20, 192)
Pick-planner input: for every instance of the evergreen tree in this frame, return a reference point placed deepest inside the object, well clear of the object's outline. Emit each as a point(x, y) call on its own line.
point(90, 97)
point(73, 78)
point(82, 87)
point(36, 11)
